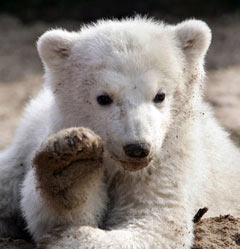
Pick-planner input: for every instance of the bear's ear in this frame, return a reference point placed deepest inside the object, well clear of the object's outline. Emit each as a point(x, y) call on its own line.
point(194, 37)
point(55, 45)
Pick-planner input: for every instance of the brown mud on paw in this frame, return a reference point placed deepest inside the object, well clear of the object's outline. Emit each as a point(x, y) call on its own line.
point(68, 146)
point(221, 232)
point(65, 161)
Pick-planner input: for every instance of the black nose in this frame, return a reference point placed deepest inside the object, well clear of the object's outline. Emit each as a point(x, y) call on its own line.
point(139, 150)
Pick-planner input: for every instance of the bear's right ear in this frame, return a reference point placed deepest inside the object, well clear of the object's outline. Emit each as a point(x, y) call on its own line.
point(55, 45)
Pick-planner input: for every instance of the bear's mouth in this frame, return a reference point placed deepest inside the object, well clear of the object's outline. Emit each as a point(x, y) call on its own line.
point(132, 164)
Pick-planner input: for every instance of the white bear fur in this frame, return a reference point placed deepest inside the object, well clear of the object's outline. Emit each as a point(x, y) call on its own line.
point(194, 164)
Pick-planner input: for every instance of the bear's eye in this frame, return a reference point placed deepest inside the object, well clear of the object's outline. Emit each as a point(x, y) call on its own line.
point(104, 100)
point(159, 97)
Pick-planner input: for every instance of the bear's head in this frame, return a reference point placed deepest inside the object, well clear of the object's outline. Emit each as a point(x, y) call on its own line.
point(120, 79)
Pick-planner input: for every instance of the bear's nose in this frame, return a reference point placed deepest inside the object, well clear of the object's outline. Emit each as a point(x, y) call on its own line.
point(138, 150)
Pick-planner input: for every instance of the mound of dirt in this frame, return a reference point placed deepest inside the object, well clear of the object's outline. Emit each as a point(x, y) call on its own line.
point(221, 232)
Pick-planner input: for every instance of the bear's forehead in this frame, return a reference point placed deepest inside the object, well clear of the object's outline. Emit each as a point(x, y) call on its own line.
point(127, 53)
point(124, 37)
point(124, 49)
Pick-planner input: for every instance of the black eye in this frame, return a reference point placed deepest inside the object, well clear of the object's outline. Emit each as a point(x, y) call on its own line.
point(104, 100)
point(159, 98)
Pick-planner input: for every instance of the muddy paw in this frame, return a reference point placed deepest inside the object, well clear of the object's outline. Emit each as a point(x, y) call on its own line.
point(68, 146)
point(67, 166)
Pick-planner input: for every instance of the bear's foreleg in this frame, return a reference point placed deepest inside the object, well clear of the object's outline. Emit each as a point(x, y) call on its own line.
point(65, 186)
point(151, 234)
point(161, 225)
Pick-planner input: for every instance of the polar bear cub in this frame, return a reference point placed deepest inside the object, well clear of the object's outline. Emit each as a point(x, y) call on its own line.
point(119, 150)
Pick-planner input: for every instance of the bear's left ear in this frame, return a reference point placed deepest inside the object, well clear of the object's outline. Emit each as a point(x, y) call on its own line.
point(194, 37)
point(55, 46)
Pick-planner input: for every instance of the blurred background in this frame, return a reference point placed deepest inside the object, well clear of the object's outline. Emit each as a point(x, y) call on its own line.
point(22, 22)
point(90, 10)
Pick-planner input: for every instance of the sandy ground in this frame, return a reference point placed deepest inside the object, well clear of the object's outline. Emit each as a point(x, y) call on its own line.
point(218, 233)
point(21, 78)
